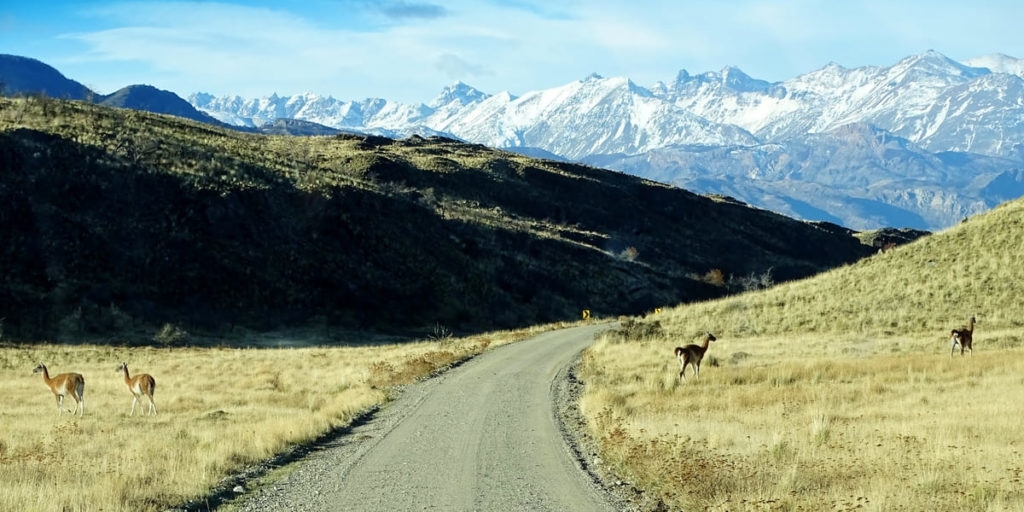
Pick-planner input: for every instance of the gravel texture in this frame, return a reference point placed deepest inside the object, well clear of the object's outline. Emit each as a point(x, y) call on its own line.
point(500, 432)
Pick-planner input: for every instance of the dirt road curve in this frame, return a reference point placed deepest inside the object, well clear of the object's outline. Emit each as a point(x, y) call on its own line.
point(481, 437)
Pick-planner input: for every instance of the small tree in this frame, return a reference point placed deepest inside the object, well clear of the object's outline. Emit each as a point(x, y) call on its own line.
point(753, 281)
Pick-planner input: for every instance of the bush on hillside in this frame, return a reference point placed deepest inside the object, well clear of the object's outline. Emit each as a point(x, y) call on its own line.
point(635, 330)
point(171, 335)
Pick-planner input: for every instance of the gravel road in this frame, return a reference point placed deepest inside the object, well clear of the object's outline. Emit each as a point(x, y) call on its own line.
point(484, 436)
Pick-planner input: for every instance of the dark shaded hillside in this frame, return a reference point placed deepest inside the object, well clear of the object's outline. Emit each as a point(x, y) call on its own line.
point(116, 222)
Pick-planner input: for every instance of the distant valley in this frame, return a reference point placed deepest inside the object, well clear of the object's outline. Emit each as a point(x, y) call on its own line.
point(923, 143)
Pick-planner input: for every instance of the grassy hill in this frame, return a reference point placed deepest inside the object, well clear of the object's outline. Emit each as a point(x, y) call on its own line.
point(118, 221)
point(974, 268)
point(834, 392)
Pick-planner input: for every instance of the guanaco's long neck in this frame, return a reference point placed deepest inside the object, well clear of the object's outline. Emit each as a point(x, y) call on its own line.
point(970, 326)
point(704, 345)
point(46, 376)
point(127, 379)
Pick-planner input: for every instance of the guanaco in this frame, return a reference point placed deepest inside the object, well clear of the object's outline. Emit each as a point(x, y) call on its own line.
point(64, 384)
point(691, 355)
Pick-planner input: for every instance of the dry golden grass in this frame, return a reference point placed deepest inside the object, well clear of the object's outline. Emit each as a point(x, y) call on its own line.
point(220, 410)
point(848, 422)
point(837, 392)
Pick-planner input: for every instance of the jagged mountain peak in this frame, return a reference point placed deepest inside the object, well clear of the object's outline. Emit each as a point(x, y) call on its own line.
point(200, 98)
point(460, 93)
point(834, 67)
point(731, 78)
point(831, 74)
point(637, 89)
point(313, 96)
point(934, 62)
point(734, 78)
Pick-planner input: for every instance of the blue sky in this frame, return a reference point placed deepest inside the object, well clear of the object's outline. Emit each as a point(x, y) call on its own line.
point(409, 50)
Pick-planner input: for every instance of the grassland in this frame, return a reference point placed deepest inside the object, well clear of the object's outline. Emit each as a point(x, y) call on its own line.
point(221, 410)
point(836, 392)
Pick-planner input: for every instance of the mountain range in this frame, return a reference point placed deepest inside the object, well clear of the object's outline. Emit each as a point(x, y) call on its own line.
point(922, 143)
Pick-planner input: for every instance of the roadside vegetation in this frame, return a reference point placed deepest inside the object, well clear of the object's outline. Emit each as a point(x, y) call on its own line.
point(221, 410)
point(836, 392)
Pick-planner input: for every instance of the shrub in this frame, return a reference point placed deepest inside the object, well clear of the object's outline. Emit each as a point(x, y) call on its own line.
point(171, 335)
point(753, 282)
point(715, 277)
point(441, 333)
point(634, 330)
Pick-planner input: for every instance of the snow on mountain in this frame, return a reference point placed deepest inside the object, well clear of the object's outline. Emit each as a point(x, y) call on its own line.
point(998, 63)
point(458, 94)
point(614, 115)
point(802, 146)
point(739, 101)
point(983, 116)
point(833, 96)
point(307, 107)
point(594, 115)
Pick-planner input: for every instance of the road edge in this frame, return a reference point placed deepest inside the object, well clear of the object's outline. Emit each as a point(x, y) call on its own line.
point(566, 391)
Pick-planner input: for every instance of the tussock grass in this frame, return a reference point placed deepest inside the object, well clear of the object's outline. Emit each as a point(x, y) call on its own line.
point(220, 410)
point(908, 430)
point(835, 392)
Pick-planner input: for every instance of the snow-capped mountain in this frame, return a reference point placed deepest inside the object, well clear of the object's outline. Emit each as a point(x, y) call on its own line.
point(922, 143)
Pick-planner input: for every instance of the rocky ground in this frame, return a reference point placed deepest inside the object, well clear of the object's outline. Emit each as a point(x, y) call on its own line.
point(565, 398)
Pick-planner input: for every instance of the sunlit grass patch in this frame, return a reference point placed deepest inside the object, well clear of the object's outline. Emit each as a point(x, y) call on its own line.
point(831, 428)
point(220, 410)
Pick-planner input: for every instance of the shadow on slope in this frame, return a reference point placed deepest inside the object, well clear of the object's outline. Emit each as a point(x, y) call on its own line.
point(395, 236)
